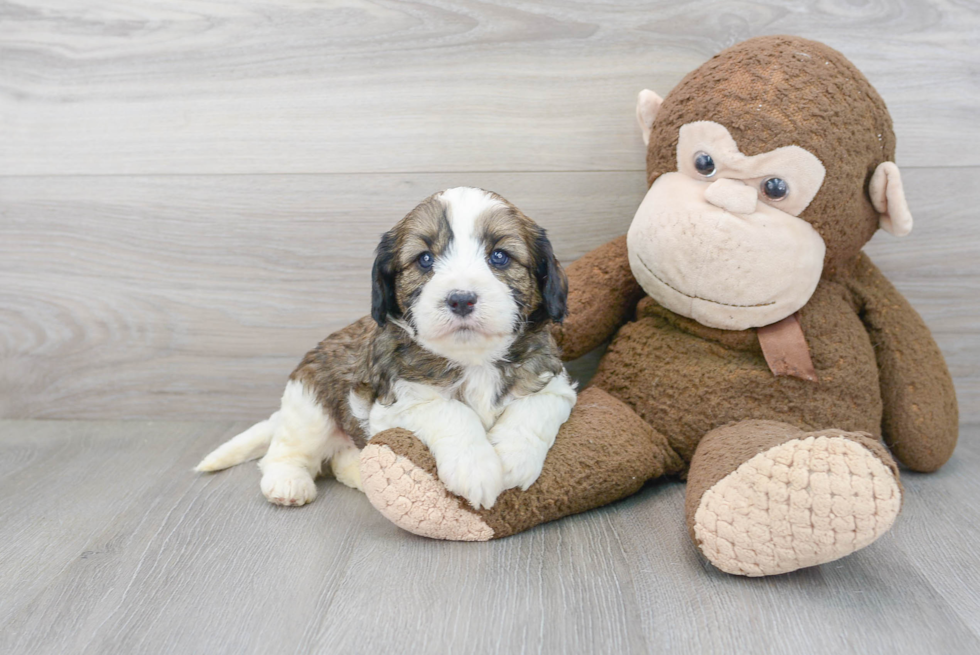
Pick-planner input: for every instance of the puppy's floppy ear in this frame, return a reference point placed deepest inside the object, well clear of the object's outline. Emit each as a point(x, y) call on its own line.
point(551, 278)
point(383, 300)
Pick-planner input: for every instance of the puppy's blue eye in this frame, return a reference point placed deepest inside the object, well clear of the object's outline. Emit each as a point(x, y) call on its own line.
point(499, 258)
point(704, 164)
point(425, 261)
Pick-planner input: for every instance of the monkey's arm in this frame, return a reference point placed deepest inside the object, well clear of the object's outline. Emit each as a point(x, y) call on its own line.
point(602, 295)
point(921, 418)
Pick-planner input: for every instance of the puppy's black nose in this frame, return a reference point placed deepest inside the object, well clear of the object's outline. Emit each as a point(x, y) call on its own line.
point(461, 303)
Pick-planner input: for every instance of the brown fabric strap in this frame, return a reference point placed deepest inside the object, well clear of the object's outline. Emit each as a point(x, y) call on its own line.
point(785, 349)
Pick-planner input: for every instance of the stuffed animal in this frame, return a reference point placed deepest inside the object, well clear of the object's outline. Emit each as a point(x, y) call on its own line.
point(756, 350)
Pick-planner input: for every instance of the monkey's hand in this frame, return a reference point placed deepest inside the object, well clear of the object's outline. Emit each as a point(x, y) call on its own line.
point(602, 295)
point(921, 418)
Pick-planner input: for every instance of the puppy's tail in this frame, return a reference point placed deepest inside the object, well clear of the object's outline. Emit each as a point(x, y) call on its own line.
point(250, 444)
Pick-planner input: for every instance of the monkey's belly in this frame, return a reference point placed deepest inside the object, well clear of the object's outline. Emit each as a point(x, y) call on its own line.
point(685, 384)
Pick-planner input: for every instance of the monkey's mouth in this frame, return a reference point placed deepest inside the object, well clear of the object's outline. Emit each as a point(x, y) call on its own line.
point(687, 295)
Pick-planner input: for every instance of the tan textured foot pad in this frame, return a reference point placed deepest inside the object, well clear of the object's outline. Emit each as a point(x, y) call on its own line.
point(412, 499)
point(803, 503)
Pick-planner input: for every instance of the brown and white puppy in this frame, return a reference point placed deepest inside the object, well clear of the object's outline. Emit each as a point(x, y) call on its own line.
point(457, 349)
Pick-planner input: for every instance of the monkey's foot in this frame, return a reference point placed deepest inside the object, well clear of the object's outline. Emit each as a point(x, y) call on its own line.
point(811, 499)
point(399, 477)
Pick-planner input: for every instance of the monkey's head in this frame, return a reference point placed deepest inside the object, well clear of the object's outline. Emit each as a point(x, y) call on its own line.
point(770, 166)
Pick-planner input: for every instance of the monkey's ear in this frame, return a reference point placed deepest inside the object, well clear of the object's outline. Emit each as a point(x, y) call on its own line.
point(647, 105)
point(383, 300)
point(551, 279)
point(888, 197)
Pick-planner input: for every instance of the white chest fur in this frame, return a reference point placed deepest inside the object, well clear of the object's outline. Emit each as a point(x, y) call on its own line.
point(477, 389)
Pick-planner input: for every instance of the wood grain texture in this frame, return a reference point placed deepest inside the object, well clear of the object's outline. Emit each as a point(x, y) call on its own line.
point(195, 296)
point(190, 194)
point(243, 86)
point(110, 544)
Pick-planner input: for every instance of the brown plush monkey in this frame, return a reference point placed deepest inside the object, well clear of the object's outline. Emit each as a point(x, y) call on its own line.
point(755, 348)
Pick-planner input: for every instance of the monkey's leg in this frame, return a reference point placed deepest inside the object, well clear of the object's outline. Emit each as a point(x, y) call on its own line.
point(765, 497)
point(604, 452)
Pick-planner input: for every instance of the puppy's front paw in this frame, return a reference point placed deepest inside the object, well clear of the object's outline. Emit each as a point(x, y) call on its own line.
point(284, 484)
point(472, 471)
point(522, 459)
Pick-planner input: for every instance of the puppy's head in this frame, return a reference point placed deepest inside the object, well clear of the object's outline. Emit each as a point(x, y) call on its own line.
point(466, 272)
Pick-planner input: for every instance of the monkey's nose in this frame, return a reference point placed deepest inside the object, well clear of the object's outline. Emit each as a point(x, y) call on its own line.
point(461, 303)
point(732, 196)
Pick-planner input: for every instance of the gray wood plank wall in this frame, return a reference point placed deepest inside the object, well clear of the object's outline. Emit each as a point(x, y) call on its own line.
point(190, 193)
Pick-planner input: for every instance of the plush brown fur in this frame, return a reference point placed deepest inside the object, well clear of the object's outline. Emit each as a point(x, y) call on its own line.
point(780, 91)
point(866, 341)
point(676, 381)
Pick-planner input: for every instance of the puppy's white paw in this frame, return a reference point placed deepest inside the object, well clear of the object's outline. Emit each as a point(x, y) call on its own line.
point(471, 470)
point(521, 468)
point(284, 484)
point(522, 458)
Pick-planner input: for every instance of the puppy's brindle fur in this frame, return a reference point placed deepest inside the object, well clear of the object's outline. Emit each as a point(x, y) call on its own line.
point(368, 356)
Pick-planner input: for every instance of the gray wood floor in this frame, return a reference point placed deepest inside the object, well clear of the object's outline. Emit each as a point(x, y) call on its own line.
point(190, 194)
point(112, 545)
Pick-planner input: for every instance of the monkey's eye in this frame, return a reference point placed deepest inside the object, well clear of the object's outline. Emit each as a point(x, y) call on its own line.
point(704, 164)
point(499, 259)
point(775, 188)
point(425, 260)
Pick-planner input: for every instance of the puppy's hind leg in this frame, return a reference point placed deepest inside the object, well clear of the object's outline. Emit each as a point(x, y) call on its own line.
point(305, 437)
point(346, 466)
